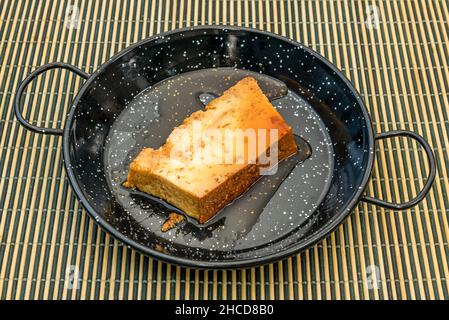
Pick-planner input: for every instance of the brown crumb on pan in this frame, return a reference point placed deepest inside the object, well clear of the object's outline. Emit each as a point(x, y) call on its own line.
point(172, 220)
point(128, 185)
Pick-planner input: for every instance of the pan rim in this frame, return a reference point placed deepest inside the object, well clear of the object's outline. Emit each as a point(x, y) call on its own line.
point(215, 264)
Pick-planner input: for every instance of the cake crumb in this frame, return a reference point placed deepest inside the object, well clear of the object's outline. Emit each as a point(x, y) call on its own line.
point(127, 184)
point(172, 220)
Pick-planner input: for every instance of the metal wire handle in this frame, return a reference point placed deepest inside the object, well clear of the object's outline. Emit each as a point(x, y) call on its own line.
point(27, 81)
point(431, 178)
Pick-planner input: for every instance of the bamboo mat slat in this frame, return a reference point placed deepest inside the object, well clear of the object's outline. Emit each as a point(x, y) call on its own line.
point(399, 66)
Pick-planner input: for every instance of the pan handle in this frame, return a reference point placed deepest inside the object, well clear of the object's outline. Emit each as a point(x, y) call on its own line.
point(27, 81)
point(432, 165)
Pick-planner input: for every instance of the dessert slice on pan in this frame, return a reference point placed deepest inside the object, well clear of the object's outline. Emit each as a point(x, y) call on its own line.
point(215, 154)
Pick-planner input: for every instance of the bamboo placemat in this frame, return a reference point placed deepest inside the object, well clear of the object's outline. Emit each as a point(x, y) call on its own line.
point(396, 54)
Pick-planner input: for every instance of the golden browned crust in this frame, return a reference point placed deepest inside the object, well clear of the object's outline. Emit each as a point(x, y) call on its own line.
point(242, 106)
point(237, 184)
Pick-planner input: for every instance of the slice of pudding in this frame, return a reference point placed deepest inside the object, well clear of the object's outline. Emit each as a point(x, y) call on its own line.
point(215, 154)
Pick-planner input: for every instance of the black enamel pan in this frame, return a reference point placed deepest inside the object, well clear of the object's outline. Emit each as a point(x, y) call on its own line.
point(137, 97)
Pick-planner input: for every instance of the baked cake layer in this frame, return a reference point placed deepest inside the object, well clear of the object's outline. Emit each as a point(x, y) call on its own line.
point(215, 154)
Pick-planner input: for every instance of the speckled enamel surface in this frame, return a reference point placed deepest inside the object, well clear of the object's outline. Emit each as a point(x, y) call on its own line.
point(124, 108)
